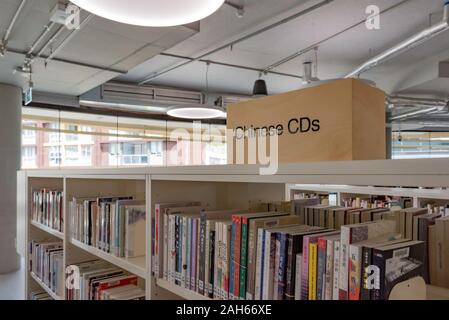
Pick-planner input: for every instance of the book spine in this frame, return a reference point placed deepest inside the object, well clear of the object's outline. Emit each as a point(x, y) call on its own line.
point(243, 258)
point(217, 262)
point(210, 292)
point(207, 241)
point(231, 261)
point(265, 281)
point(259, 264)
point(237, 251)
point(202, 254)
point(354, 272)
point(251, 268)
point(365, 292)
point(282, 267)
point(277, 255)
point(329, 270)
point(321, 268)
point(155, 239)
point(184, 251)
point(378, 261)
point(177, 250)
point(344, 259)
point(336, 279)
point(298, 276)
point(171, 249)
point(197, 269)
point(188, 251)
point(313, 248)
point(291, 266)
point(305, 270)
point(227, 233)
point(193, 256)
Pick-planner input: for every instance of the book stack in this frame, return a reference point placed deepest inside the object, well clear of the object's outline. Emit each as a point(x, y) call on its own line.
point(99, 280)
point(46, 208)
point(378, 202)
point(39, 295)
point(46, 263)
point(113, 224)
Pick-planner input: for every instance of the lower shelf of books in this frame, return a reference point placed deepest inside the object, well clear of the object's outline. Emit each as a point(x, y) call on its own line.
point(45, 287)
point(179, 291)
point(134, 265)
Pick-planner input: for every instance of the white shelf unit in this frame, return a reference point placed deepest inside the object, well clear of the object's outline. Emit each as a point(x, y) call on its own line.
point(220, 187)
point(45, 287)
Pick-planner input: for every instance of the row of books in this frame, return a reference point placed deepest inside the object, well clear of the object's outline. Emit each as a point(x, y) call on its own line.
point(377, 202)
point(46, 263)
point(443, 210)
point(233, 254)
point(99, 280)
point(39, 295)
point(46, 208)
point(113, 224)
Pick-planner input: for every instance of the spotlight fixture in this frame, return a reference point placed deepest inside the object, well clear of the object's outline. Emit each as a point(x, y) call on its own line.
point(260, 89)
point(151, 13)
point(196, 112)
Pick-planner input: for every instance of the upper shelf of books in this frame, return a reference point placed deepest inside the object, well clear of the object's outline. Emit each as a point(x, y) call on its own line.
point(419, 172)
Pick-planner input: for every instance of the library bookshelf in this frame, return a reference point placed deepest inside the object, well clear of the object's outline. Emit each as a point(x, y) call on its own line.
point(219, 187)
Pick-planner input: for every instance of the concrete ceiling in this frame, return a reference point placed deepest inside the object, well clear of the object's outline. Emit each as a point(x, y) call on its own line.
point(338, 28)
point(336, 56)
point(101, 43)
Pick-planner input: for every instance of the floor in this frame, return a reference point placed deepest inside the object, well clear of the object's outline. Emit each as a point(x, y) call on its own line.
point(12, 285)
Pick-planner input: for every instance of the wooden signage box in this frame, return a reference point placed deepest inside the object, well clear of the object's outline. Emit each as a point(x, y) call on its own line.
point(338, 120)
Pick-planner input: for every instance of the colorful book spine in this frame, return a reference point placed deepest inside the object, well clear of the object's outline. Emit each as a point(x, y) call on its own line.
point(365, 292)
point(336, 282)
point(177, 250)
point(156, 241)
point(344, 260)
point(237, 222)
point(328, 286)
point(243, 258)
point(231, 261)
point(277, 255)
point(321, 268)
point(313, 250)
point(354, 272)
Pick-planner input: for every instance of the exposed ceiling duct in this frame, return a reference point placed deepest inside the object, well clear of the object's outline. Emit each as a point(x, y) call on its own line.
point(416, 106)
point(234, 42)
point(405, 45)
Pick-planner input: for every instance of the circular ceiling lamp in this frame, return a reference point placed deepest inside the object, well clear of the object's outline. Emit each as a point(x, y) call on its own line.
point(151, 13)
point(196, 112)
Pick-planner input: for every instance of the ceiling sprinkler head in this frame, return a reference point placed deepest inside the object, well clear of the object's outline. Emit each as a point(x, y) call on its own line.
point(240, 12)
point(2, 50)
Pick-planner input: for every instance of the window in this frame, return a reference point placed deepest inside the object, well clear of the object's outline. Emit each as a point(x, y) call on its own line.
point(54, 156)
point(86, 152)
point(416, 145)
point(71, 139)
point(29, 157)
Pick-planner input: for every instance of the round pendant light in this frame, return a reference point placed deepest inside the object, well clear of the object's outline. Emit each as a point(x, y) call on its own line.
point(196, 112)
point(151, 13)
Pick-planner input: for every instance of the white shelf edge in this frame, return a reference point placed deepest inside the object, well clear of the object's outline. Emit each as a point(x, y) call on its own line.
point(125, 264)
point(179, 291)
point(399, 192)
point(49, 230)
point(45, 287)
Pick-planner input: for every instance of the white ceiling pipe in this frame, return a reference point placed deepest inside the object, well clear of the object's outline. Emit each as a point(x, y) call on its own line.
point(414, 113)
point(13, 22)
point(405, 45)
point(415, 102)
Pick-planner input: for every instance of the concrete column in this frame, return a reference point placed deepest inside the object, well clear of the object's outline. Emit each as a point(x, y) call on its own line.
point(10, 162)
